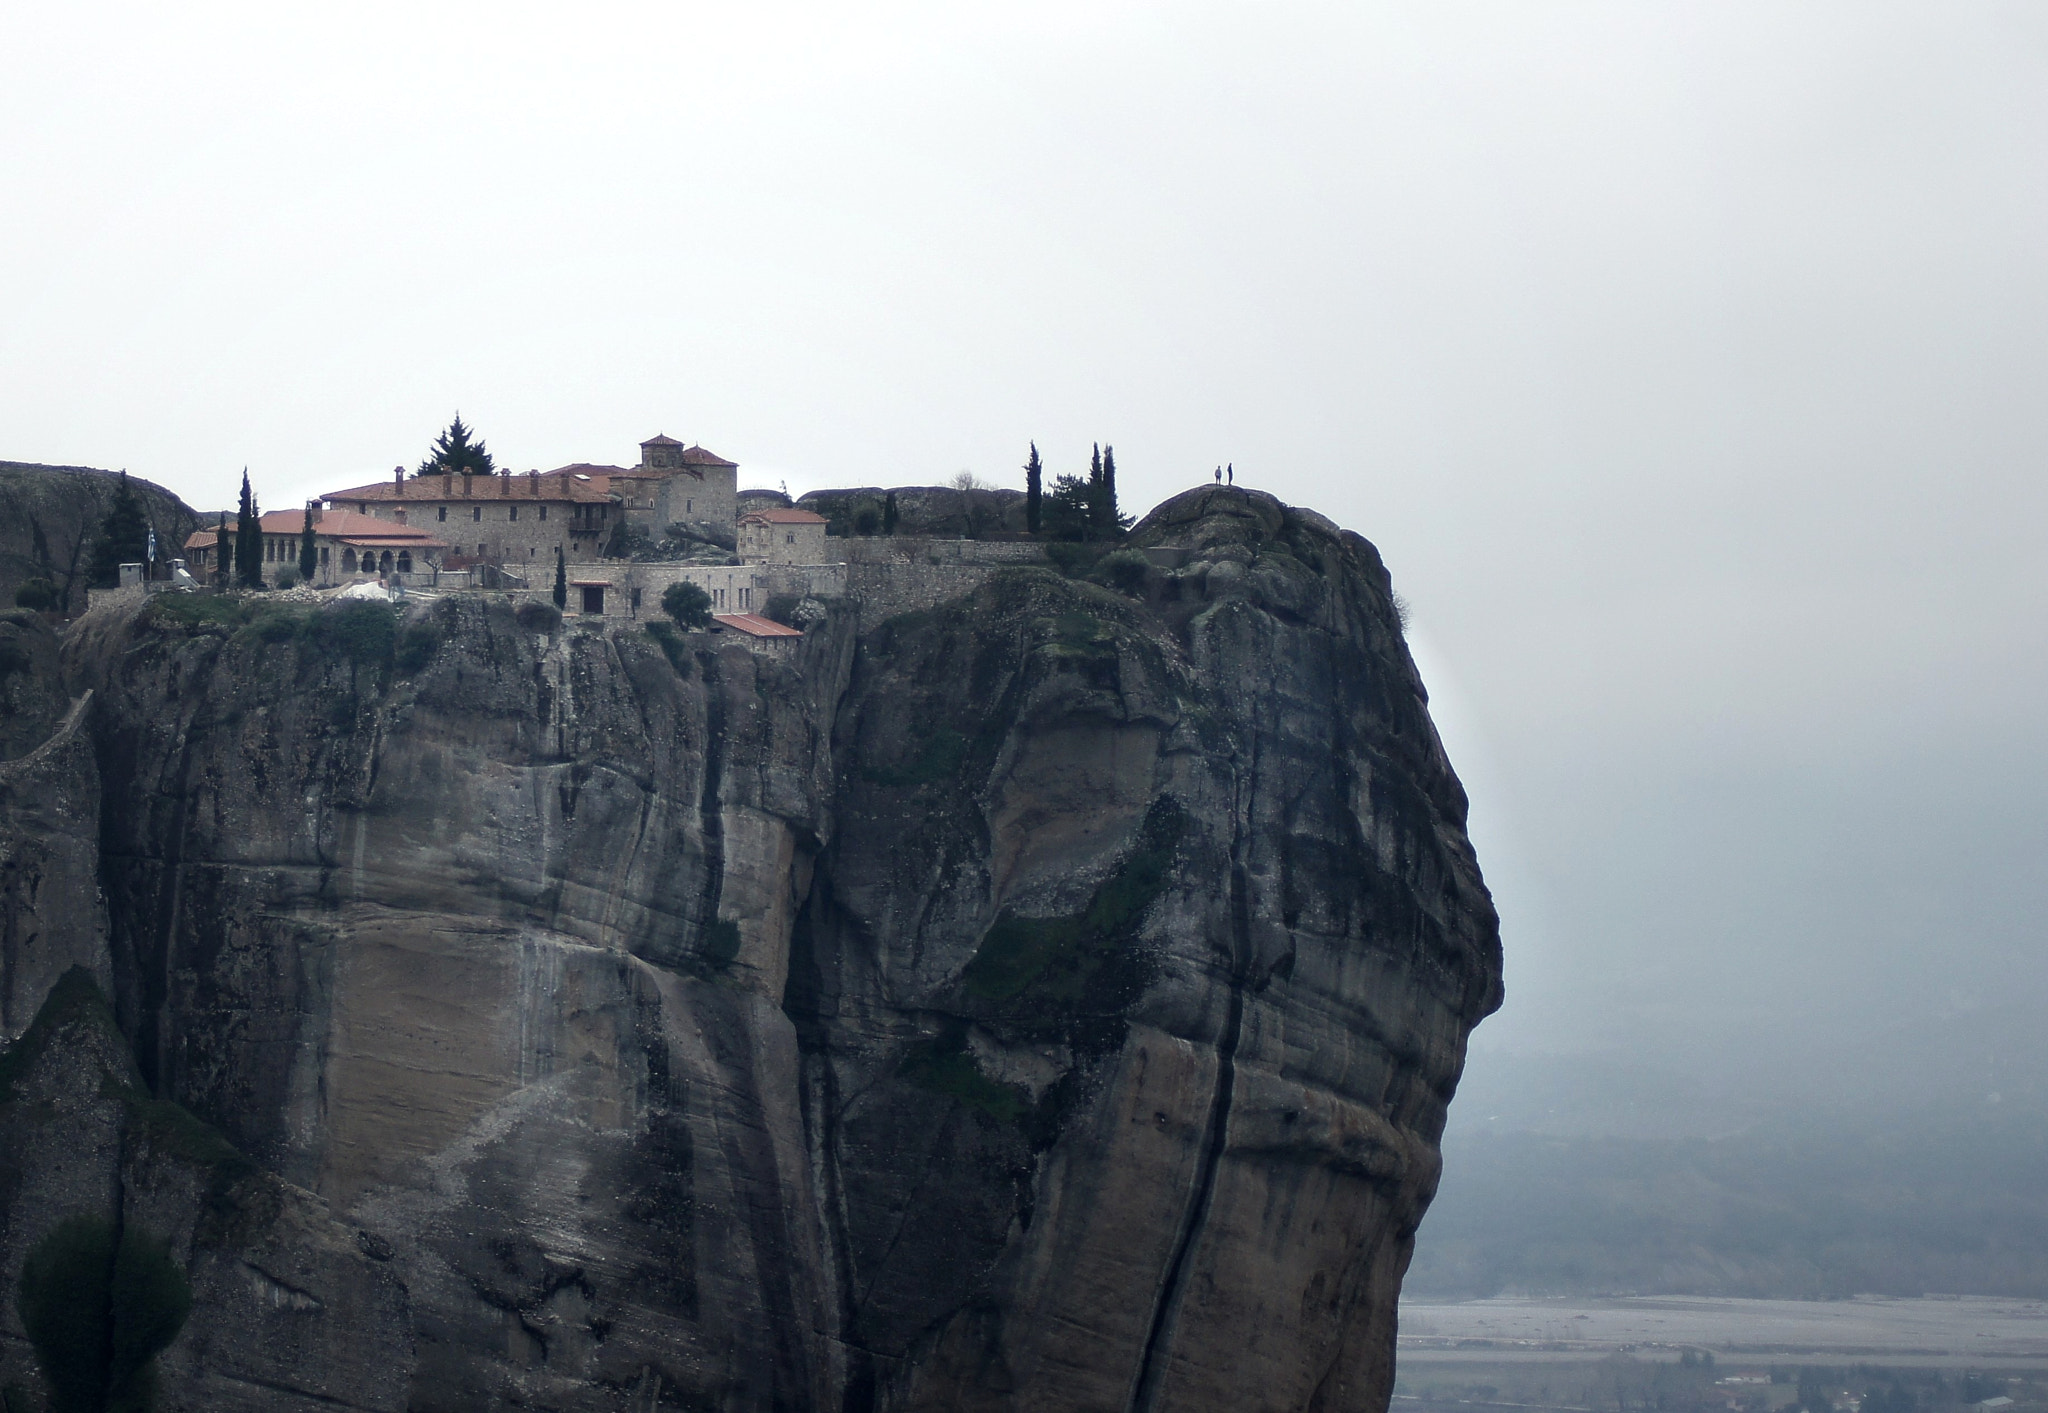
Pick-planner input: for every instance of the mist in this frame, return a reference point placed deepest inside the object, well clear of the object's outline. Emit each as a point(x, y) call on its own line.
point(1684, 362)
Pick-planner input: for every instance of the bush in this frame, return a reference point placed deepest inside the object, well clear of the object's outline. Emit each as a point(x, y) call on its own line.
point(1123, 570)
point(670, 640)
point(97, 1309)
point(687, 604)
point(36, 594)
point(360, 630)
point(287, 576)
point(538, 617)
point(1073, 557)
point(417, 644)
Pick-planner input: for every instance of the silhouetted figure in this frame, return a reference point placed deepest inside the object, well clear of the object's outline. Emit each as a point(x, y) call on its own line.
point(1230, 473)
point(1219, 475)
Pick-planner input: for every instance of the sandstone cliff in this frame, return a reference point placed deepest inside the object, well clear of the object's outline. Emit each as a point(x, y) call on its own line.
point(1046, 1001)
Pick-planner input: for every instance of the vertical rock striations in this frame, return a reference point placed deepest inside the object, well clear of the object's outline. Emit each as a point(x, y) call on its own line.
point(1049, 1000)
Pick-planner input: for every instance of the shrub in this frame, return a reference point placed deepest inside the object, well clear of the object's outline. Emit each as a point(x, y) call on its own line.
point(97, 1308)
point(670, 640)
point(1123, 570)
point(1073, 557)
point(687, 604)
point(36, 594)
point(538, 617)
point(360, 630)
point(417, 644)
point(287, 576)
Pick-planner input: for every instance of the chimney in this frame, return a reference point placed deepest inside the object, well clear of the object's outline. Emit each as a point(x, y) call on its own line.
point(398, 478)
point(533, 483)
point(465, 482)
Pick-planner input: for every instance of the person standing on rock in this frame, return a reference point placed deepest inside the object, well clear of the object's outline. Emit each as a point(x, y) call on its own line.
point(1219, 475)
point(1230, 473)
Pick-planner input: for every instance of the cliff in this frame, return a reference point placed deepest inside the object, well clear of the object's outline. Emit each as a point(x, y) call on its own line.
point(1049, 999)
point(50, 518)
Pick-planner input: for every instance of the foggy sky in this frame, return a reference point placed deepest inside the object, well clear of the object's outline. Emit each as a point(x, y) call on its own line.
point(1685, 361)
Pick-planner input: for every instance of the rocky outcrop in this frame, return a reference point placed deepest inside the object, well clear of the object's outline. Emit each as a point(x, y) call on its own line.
point(944, 511)
point(50, 518)
point(1049, 999)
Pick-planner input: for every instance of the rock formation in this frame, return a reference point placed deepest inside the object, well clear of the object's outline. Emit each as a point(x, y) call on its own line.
point(50, 518)
point(1049, 1000)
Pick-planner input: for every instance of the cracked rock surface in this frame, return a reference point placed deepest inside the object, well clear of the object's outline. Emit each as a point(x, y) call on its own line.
point(1049, 1000)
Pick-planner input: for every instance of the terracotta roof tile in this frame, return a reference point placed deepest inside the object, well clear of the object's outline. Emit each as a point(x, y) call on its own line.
point(754, 625)
point(573, 486)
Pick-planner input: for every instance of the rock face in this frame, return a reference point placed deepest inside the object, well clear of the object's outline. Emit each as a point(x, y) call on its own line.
point(50, 518)
point(1046, 1001)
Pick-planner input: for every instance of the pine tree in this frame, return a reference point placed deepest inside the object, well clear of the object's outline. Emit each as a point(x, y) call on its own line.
point(561, 579)
point(889, 514)
point(309, 553)
point(124, 536)
point(248, 539)
point(1033, 491)
point(454, 451)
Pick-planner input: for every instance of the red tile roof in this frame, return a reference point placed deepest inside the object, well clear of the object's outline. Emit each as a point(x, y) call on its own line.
point(574, 486)
point(661, 439)
point(347, 526)
point(754, 625)
point(698, 456)
point(781, 515)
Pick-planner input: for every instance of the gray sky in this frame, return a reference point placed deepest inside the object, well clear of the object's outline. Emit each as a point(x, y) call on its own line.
point(1686, 362)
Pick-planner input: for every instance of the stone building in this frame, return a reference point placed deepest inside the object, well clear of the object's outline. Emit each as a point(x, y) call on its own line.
point(782, 536)
point(515, 521)
point(673, 485)
point(347, 546)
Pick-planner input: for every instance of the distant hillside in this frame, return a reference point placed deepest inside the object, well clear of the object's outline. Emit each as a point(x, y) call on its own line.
point(50, 515)
point(1823, 1208)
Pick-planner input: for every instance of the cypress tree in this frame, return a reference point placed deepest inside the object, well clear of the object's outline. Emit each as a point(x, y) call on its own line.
point(1095, 492)
point(1033, 491)
point(221, 551)
point(1112, 522)
point(309, 553)
point(889, 514)
point(124, 536)
point(248, 540)
point(561, 579)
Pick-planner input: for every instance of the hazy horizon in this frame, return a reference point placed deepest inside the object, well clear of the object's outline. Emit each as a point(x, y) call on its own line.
point(1682, 361)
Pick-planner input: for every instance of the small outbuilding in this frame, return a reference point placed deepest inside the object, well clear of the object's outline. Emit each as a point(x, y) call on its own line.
point(782, 535)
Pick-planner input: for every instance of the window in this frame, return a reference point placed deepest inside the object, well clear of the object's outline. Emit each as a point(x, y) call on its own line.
point(323, 556)
point(789, 537)
point(405, 561)
point(476, 512)
point(444, 512)
point(515, 512)
point(686, 507)
point(348, 561)
point(543, 512)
